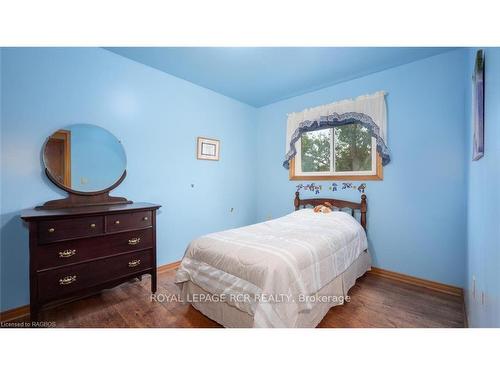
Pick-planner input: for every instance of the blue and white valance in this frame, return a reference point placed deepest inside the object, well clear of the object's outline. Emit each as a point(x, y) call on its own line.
point(367, 110)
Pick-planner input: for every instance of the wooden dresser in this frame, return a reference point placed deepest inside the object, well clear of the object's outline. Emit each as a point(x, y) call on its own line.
point(75, 252)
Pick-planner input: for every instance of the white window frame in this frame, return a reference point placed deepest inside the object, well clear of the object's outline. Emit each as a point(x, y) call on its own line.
point(375, 173)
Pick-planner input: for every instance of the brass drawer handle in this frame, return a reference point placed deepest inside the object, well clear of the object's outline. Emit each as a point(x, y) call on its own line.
point(145, 218)
point(67, 253)
point(134, 241)
point(67, 280)
point(134, 263)
point(117, 222)
point(51, 230)
point(92, 225)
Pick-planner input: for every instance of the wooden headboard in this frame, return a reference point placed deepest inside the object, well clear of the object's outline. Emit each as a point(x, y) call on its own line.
point(340, 204)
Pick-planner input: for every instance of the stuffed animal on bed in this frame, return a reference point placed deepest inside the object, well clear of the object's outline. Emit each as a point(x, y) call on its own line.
point(324, 208)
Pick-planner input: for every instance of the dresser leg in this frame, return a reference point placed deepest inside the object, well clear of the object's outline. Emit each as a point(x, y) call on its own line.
point(153, 283)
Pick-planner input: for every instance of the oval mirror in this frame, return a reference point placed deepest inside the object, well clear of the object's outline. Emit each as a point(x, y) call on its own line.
point(84, 158)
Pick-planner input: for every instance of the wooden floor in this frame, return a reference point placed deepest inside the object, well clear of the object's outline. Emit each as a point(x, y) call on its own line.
point(375, 302)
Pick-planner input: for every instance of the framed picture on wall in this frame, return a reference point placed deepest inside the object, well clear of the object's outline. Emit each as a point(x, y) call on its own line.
point(478, 107)
point(208, 149)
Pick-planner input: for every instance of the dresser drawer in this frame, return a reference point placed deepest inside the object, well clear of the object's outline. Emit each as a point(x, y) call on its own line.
point(68, 252)
point(127, 221)
point(62, 282)
point(64, 229)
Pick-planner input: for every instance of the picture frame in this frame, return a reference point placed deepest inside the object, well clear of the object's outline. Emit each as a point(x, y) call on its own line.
point(207, 149)
point(478, 107)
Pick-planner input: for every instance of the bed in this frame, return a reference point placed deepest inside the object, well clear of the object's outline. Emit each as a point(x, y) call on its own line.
point(286, 272)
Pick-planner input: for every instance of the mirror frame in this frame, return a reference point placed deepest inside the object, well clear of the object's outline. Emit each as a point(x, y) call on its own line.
point(82, 198)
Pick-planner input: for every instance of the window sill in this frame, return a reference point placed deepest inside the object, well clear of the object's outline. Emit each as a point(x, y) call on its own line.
point(376, 177)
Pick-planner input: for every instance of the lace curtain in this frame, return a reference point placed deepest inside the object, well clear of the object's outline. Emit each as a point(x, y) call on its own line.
point(367, 110)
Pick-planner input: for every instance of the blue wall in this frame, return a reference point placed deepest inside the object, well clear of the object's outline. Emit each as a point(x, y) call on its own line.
point(483, 252)
point(156, 116)
point(416, 215)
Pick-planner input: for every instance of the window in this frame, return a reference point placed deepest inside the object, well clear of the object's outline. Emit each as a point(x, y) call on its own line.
point(345, 152)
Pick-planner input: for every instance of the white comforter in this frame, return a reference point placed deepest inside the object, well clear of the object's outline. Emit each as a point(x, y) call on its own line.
point(269, 269)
